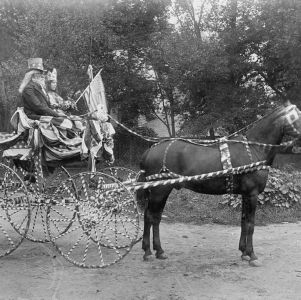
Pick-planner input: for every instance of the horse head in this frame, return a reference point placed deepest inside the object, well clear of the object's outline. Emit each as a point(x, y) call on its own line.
point(284, 120)
point(292, 121)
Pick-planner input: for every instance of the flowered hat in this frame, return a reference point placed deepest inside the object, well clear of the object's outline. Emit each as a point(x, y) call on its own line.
point(52, 76)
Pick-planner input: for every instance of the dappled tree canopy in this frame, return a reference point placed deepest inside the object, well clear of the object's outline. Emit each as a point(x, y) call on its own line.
point(213, 63)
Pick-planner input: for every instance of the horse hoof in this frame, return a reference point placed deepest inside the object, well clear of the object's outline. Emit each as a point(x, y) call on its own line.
point(255, 263)
point(245, 257)
point(148, 257)
point(161, 256)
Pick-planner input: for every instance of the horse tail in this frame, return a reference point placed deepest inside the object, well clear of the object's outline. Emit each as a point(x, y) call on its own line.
point(141, 195)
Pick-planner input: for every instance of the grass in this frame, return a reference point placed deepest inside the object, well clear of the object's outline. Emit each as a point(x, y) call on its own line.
point(188, 207)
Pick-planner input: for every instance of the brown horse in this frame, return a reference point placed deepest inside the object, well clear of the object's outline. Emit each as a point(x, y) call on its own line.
point(187, 158)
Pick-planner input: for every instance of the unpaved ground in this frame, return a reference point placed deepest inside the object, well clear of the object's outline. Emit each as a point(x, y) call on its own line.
point(203, 263)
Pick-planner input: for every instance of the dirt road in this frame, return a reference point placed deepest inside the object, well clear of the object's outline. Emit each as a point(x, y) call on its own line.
point(203, 263)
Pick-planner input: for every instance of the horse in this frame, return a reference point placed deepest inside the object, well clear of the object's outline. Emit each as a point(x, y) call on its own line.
point(185, 158)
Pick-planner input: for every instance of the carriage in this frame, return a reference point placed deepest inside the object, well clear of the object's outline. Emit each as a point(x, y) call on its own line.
point(92, 217)
point(43, 202)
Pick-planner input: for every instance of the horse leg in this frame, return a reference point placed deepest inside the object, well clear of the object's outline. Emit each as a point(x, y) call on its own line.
point(156, 230)
point(146, 236)
point(243, 235)
point(147, 226)
point(250, 223)
point(152, 217)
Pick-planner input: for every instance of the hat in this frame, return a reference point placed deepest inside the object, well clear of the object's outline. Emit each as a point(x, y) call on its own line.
point(36, 64)
point(52, 76)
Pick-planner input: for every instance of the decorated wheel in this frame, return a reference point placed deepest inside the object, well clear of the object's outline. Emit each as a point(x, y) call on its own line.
point(106, 225)
point(127, 177)
point(40, 192)
point(14, 210)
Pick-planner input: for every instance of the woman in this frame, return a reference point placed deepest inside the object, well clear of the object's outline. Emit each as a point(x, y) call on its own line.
point(55, 100)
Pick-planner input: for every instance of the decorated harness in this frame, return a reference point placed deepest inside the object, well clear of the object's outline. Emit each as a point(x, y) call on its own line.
point(290, 115)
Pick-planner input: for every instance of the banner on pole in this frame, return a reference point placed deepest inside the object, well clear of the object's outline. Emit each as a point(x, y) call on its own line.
point(95, 96)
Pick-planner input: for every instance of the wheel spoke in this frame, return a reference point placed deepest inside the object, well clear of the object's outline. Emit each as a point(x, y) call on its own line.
point(100, 232)
point(15, 210)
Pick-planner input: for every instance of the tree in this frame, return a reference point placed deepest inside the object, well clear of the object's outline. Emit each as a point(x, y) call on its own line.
point(112, 35)
point(134, 25)
point(245, 51)
point(215, 64)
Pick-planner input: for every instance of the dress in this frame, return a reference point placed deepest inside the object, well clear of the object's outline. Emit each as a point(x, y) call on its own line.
point(58, 103)
point(55, 99)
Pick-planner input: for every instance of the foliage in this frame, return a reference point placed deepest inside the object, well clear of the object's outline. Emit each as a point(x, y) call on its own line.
point(129, 148)
point(283, 189)
point(216, 64)
point(244, 58)
point(69, 35)
point(188, 207)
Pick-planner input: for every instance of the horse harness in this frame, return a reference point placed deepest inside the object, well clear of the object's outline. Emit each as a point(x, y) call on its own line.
point(164, 169)
point(291, 114)
point(227, 164)
point(225, 161)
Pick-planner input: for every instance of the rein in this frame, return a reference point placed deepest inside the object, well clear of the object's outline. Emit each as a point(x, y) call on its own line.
point(208, 143)
point(160, 179)
point(225, 140)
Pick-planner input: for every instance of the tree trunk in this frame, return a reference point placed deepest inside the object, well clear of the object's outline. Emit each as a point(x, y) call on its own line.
point(4, 112)
point(172, 112)
point(233, 14)
point(211, 133)
point(233, 41)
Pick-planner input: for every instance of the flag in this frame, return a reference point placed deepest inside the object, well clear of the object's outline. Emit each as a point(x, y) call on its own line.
point(94, 95)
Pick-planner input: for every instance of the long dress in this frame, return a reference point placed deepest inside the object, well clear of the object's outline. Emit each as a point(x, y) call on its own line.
point(58, 103)
point(102, 128)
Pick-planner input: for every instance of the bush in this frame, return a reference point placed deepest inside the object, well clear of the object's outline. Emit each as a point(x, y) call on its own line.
point(283, 189)
point(128, 148)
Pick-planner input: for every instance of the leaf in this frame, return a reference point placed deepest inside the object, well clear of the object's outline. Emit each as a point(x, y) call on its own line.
point(283, 189)
point(260, 197)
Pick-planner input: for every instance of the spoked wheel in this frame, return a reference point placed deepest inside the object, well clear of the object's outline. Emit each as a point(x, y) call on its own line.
point(14, 210)
point(106, 224)
point(127, 177)
point(40, 192)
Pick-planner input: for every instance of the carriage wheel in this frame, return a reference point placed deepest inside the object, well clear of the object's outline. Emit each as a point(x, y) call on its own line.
point(41, 194)
point(14, 210)
point(106, 224)
point(127, 177)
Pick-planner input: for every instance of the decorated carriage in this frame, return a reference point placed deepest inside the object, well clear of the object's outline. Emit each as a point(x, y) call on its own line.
point(42, 202)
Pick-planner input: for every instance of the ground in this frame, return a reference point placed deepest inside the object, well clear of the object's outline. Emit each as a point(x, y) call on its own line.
point(203, 263)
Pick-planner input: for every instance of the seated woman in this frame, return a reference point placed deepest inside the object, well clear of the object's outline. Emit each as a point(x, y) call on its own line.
point(55, 100)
